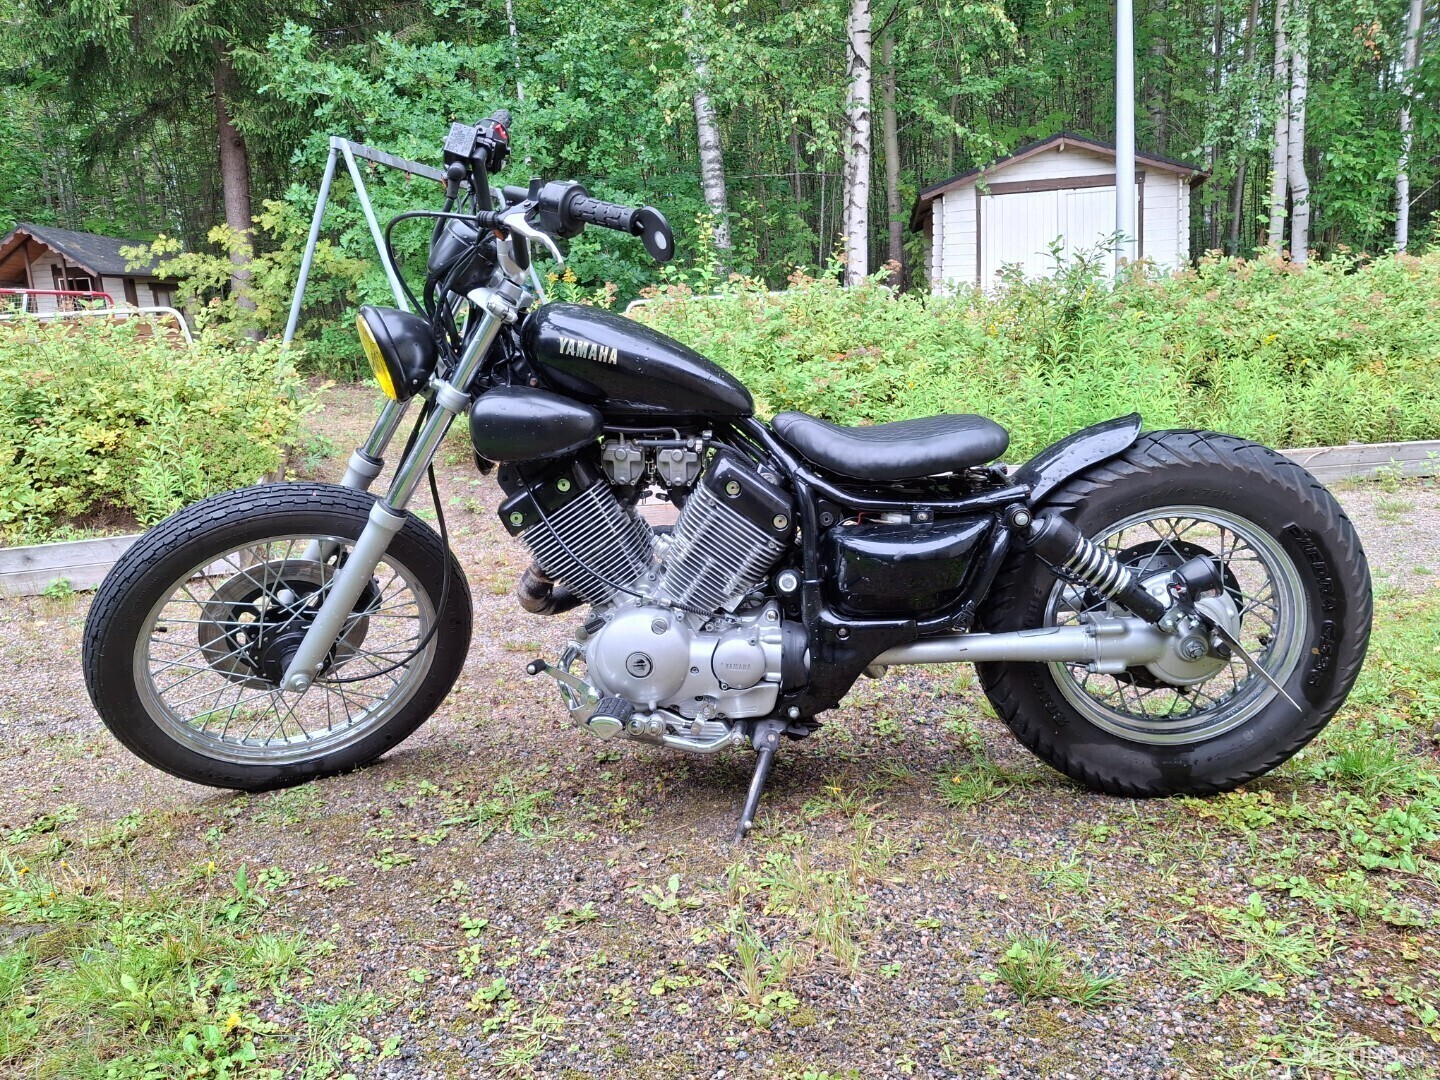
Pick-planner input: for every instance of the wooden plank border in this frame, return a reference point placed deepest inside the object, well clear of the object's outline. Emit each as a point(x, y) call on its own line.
point(1367, 461)
point(29, 571)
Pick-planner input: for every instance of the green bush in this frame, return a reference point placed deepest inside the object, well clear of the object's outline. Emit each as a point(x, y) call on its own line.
point(1334, 353)
point(102, 418)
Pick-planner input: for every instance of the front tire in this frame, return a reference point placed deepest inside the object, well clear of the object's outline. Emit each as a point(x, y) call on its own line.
point(1295, 575)
point(190, 631)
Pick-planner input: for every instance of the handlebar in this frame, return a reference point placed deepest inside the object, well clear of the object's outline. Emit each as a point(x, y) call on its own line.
point(562, 208)
point(607, 215)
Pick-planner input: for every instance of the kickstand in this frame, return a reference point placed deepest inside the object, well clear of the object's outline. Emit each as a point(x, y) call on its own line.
point(766, 741)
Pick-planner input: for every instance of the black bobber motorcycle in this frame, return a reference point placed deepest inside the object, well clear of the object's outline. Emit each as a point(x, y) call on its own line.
point(1152, 613)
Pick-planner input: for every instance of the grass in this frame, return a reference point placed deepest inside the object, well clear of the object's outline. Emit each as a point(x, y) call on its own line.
point(1035, 967)
point(113, 981)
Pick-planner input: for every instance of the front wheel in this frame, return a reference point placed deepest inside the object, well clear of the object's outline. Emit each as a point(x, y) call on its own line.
point(1296, 595)
point(190, 635)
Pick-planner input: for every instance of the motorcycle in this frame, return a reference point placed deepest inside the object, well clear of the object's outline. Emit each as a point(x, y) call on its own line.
point(1151, 613)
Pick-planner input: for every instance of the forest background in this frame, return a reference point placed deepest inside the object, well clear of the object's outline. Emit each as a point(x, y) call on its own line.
point(789, 124)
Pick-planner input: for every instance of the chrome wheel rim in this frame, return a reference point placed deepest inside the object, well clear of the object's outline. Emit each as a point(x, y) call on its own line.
point(208, 651)
point(1261, 579)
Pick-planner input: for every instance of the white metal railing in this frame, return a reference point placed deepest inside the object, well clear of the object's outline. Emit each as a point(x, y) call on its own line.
point(119, 312)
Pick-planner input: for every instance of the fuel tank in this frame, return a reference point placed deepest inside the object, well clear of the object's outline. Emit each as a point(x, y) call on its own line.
point(625, 369)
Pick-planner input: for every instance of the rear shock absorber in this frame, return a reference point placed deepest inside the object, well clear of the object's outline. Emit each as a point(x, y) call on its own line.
point(1063, 547)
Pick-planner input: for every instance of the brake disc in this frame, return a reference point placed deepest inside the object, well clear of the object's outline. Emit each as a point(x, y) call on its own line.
point(249, 611)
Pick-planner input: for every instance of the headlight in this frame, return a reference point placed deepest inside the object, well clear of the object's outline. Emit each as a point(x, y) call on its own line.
point(400, 348)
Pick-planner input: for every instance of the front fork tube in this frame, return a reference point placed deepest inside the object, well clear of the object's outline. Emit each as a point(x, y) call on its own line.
point(368, 459)
point(387, 516)
point(366, 462)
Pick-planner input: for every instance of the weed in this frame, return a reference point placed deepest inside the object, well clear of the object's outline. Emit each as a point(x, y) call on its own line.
point(1068, 875)
point(667, 900)
point(1035, 967)
point(164, 980)
point(59, 589)
point(977, 781)
point(509, 809)
point(757, 974)
point(1219, 975)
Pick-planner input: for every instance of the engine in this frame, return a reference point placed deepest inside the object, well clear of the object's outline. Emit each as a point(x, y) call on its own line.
point(681, 633)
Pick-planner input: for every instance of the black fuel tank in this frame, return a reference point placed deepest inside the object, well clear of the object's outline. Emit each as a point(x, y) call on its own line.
point(627, 369)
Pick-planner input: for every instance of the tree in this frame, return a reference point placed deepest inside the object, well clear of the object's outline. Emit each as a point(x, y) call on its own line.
point(1409, 64)
point(1237, 187)
point(895, 250)
point(857, 144)
point(1295, 165)
point(159, 61)
point(712, 159)
point(1280, 153)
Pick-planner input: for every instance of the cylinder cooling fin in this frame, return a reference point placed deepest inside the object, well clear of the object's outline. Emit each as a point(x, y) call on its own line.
point(733, 528)
point(579, 532)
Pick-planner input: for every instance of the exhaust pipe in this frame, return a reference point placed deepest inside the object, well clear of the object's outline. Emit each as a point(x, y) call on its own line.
point(541, 596)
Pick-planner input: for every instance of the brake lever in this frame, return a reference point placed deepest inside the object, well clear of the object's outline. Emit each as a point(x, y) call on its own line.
point(516, 221)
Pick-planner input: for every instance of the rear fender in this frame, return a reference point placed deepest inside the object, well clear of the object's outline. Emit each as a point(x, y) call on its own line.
point(1089, 446)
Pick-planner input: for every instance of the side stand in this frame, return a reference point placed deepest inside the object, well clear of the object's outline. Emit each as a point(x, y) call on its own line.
point(766, 741)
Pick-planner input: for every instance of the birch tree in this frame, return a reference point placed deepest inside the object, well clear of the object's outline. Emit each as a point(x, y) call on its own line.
point(1299, 89)
point(712, 159)
point(1409, 63)
point(893, 211)
point(856, 218)
point(1237, 187)
point(1280, 151)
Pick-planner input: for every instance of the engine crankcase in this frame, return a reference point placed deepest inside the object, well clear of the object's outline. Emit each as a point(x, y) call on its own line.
point(654, 658)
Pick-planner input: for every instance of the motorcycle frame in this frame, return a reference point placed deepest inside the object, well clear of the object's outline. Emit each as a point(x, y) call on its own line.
point(841, 646)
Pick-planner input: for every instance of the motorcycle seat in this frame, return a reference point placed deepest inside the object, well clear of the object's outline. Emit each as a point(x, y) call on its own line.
point(901, 450)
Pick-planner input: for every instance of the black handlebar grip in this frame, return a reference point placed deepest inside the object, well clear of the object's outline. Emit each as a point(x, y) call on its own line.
point(514, 194)
point(606, 215)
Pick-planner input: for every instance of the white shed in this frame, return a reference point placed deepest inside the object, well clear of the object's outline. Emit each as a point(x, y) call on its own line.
point(1058, 189)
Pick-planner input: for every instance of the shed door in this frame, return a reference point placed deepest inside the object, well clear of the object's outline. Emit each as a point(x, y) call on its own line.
point(1021, 227)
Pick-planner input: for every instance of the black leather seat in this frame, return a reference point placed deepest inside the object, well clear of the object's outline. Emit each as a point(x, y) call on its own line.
point(902, 450)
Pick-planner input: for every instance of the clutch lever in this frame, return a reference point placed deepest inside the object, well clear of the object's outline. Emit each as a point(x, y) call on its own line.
point(517, 221)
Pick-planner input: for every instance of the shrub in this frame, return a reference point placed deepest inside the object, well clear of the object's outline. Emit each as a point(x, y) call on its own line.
point(1335, 353)
point(103, 417)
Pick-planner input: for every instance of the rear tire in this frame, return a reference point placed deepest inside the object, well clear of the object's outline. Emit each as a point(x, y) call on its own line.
point(1295, 524)
point(134, 621)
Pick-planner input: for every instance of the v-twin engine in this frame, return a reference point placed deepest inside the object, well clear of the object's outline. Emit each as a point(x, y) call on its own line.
point(679, 623)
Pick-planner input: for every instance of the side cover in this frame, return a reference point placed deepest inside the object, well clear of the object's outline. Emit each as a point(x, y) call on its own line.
point(521, 423)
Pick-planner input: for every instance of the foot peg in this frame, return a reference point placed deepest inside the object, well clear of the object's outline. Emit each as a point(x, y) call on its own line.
point(610, 717)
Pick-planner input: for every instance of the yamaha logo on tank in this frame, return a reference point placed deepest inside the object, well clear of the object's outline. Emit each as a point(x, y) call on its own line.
point(589, 350)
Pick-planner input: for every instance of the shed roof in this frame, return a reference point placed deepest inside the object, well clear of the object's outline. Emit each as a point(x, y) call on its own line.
point(86, 251)
point(1059, 140)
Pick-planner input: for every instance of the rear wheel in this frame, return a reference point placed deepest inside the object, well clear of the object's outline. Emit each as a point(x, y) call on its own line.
point(190, 636)
point(1296, 595)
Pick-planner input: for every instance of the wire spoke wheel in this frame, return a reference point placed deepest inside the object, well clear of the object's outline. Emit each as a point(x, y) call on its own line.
point(1262, 600)
point(210, 655)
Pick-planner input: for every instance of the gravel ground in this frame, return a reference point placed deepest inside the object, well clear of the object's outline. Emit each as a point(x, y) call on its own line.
point(497, 809)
